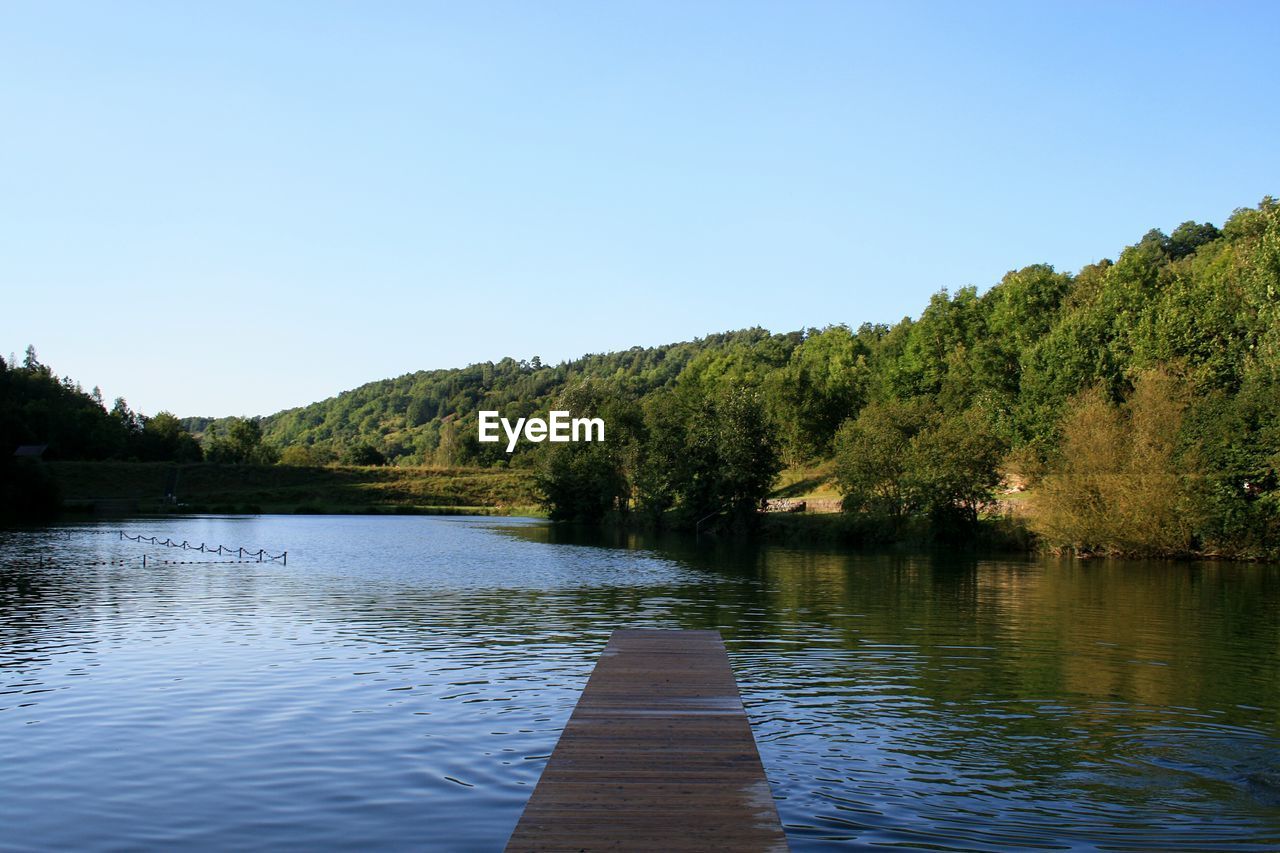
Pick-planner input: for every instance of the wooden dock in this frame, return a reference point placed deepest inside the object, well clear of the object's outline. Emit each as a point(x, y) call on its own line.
point(657, 756)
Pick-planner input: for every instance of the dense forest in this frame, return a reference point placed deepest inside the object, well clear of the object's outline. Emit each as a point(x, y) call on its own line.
point(1138, 398)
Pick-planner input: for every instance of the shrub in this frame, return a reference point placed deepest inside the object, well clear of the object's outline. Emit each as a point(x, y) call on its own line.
point(1122, 482)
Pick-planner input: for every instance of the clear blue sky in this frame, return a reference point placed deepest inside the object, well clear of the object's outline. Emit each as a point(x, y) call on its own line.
point(233, 208)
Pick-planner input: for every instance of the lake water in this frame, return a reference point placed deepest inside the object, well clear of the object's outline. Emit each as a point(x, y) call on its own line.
point(400, 683)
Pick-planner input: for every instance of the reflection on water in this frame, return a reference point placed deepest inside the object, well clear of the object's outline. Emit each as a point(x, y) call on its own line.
point(400, 683)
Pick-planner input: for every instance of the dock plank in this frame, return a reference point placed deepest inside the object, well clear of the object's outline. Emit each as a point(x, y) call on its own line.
point(657, 755)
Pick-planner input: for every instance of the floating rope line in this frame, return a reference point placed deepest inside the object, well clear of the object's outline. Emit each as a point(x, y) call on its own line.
point(40, 562)
point(261, 554)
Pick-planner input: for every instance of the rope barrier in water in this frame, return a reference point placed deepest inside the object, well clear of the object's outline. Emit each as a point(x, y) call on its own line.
point(261, 554)
point(40, 562)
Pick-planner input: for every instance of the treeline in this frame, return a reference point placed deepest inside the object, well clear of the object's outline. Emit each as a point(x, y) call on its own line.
point(430, 417)
point(1139, 399)
point(39, 408)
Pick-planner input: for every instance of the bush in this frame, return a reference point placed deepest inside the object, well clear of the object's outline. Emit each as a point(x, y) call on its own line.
point(364, 454)
point(904, 459)
point(1122, 483)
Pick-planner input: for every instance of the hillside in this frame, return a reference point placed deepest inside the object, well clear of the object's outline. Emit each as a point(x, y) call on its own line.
point(1202, 298)
point(1139, 396)
point(429, 417)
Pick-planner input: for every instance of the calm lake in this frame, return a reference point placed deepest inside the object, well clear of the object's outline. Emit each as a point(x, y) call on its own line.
point(400, 683)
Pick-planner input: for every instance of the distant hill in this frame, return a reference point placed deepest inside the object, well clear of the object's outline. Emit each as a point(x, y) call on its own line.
point(1154, 375)
point(429, 417)
point(1202, 299)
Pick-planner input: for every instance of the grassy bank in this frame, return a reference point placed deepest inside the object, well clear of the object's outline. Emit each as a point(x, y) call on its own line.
point(140, 486)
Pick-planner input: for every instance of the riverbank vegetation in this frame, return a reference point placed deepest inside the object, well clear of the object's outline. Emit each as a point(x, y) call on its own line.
point(1137, 401)
point(211, 487)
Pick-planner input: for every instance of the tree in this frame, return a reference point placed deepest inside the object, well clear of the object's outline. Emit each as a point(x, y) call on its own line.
point(871, 457)
point(580, 482)
point(729, 457)
point(586, 481)
point(130, 422)
point(822, 384)
point(900, 459)
point(163, 438)
point(748, 453)
point(1122, 481)
point(1190, 236)
point(363, 454)
point(952, 468)
point(242, 444)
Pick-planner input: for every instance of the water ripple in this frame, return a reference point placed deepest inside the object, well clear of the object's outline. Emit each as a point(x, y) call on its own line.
point(401, 683)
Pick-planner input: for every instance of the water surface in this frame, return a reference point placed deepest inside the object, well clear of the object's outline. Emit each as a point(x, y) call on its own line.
point(400, 683)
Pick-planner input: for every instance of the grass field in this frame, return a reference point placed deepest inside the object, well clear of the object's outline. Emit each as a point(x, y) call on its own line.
point(801, 482)
point(277, 488)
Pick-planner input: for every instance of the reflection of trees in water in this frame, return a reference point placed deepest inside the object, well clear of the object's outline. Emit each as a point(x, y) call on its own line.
point(1053, 673)
point(1149, 632)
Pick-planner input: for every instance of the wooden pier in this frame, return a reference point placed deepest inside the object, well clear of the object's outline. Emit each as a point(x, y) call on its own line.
point(657, 756)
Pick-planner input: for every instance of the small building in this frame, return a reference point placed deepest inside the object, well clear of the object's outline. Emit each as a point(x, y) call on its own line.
point(30, 451)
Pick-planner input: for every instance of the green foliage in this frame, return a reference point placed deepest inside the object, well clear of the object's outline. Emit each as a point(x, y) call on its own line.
point(928, 405)
point(581, 482)
point(905, 458)
point(586, 481)
point(163, 437)
point(430, 417)
point(302, 456)
point(733, 456)
point(1237, 440)
point(706, 456)
point(241, 445)
point(363, 454)
point(693, 453)
point(36, 407)
point(823, 382)
point(1123, 481)
point(870, 453)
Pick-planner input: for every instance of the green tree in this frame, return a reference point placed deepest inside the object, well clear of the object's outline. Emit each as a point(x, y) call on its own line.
point(163, 438)
point(581, 482)
point(905, 458)
point(728, 460)
point(363, 454)
point(586, 481)
point(871, 456)
point(242, 444)
point(824, 382)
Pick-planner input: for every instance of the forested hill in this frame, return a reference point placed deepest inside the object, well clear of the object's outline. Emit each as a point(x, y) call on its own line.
point(1201, 301)
point(1140, 398)
point(430, 417)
